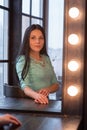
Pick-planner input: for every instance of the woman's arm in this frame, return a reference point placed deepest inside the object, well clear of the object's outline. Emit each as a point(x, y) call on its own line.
point(38, 97)
point(53, 87)
point(50, 89)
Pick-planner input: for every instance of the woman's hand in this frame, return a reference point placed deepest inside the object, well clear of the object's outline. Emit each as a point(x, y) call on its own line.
point(7, 118)
point(40, 98)
point(44, 91)
point(37, 96)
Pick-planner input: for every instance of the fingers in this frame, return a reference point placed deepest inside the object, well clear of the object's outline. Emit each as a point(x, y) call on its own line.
point(45, 92)
point(41, 99)
point(11, 119)
point(14, 120)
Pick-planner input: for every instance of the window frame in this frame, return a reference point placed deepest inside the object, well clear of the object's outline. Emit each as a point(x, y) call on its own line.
point(5, 61)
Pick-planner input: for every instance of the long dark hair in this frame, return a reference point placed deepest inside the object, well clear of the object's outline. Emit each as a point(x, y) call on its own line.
point(25, 47)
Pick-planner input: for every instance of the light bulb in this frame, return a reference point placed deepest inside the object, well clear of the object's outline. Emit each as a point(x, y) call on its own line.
point(73, 65)
point(73, 12)
point(72, 90)
point(73, 39)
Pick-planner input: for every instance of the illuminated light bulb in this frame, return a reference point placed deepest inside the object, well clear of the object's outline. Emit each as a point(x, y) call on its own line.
point(72, 90)
point(73, 65)
point(73, 12)
point(73, 39)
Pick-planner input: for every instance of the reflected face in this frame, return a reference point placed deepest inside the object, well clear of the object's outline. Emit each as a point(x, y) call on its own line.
point(36, 40)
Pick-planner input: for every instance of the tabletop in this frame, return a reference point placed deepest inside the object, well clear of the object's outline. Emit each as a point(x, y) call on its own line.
point(25, 104)
point(44, 122)
point(36, 116)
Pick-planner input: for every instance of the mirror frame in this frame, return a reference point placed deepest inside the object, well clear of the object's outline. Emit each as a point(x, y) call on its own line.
point(70, 105)
point(73, 104)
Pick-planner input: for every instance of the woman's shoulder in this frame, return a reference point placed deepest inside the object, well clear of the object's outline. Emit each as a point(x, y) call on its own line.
point(20, 58)
point(47, 58)
point(20, 61)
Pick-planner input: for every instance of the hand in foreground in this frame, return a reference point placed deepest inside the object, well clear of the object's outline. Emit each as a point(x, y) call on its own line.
point(40, 98)
point(7, 118)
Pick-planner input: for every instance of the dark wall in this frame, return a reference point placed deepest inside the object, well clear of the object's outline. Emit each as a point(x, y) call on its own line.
point(83, 124)
point(85, 78)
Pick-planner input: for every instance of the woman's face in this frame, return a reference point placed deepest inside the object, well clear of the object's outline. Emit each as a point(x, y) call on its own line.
point(36, 40)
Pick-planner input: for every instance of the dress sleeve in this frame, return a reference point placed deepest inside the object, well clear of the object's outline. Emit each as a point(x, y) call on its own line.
point(19, 67)
point(54, 78)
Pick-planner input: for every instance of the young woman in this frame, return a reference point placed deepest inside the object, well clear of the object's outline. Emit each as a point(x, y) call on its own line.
point(33, 66)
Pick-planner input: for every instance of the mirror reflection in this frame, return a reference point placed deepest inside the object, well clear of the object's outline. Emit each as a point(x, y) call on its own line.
point(53, 19)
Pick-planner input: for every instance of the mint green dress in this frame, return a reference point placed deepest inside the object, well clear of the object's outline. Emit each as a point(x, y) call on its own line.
point(40, 75)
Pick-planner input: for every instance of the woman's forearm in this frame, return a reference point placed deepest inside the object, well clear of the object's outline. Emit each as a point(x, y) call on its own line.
point(53, 88)
point(29, 92)
point(47, 90)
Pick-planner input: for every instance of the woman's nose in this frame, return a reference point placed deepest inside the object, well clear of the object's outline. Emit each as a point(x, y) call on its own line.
point(37, 39)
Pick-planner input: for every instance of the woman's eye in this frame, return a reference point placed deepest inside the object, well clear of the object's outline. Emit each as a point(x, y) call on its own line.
point(33, 38)
point(39, 38)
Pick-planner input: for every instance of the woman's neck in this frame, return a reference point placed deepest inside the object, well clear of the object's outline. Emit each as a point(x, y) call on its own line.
point(36, 56)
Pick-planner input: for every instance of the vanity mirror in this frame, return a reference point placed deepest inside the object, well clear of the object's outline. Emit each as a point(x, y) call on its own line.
point(65, 44)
